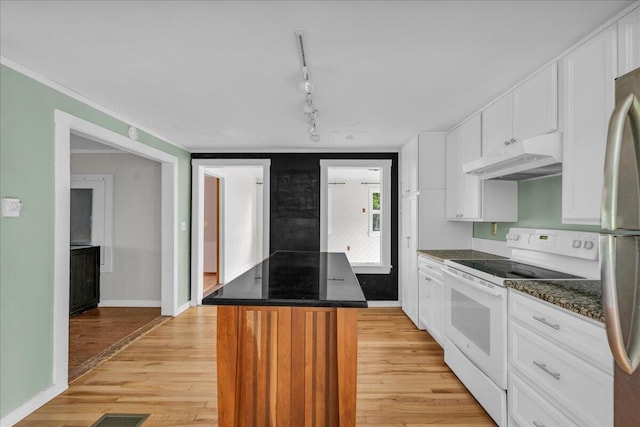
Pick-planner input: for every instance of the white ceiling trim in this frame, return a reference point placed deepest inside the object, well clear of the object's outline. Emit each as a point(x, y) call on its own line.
point(79, 97)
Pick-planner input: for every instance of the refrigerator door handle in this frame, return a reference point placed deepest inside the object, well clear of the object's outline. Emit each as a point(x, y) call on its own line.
point(627, 359)
point(629, 106)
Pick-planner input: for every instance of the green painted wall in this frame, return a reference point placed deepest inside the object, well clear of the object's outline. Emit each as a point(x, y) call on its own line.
point(539, 206)
point(26, 243)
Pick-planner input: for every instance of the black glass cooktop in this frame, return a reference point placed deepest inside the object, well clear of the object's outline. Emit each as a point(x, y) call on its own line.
point(514, 270)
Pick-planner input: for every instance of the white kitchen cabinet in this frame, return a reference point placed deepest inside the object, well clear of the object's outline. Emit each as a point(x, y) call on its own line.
point(463, 190)
point(587, 100)
point(629, 42)
point(530, 109)
point(431, 296)
point(468, 198)
point(497, 124)
point(422, 215)
point(408, 258)
point(409, 167)
point(552, 374)
point(535, 104)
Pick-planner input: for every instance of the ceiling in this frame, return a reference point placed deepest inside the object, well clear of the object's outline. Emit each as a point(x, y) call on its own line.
point(224, 75)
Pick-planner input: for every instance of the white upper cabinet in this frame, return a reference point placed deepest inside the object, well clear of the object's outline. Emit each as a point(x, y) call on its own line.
point(535, 104)
point(463, 190)
point(530, 109)
point(409, 167)
point(470, 188)
point(468, 198)
point(588, 74)
point(629, 42)
point(453, 175)
point(497, 124)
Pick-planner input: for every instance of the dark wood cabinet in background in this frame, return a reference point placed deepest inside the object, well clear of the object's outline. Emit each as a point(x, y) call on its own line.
point(84, 278)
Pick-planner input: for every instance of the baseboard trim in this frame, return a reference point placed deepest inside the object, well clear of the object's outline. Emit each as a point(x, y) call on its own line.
point(384, 303)
point(130, 303)
point(31, 405)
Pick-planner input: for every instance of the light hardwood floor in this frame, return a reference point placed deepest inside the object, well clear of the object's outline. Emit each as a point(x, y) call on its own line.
point(170, 373)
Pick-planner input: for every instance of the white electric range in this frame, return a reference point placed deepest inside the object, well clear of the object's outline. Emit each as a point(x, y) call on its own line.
point(476, 304)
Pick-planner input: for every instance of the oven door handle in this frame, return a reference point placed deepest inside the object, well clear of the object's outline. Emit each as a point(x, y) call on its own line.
point(494, 290)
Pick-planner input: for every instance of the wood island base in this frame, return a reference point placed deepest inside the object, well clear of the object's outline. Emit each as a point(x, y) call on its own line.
point(287, 366)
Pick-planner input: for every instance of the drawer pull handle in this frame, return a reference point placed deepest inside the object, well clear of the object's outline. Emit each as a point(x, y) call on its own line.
point(543, 366)
point(551, 325)
point(538, 424)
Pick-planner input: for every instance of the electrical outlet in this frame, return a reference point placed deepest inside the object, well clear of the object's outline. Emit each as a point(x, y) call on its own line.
point(494, 228)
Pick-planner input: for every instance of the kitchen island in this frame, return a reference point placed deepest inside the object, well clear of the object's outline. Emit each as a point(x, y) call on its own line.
point(287, 342)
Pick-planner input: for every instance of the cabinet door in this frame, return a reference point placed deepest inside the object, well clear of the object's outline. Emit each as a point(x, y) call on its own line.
point(629, 42)
point(588, 74)
point(410, 255)
point(453, 175)
point(470, 186)
point(535, 105)
point(423, 300)
point(409, 167)
point(497, 125)
point(436, 315)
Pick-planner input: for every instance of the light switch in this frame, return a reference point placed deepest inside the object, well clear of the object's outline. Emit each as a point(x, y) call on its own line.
point(183, 225)
point(11, 207)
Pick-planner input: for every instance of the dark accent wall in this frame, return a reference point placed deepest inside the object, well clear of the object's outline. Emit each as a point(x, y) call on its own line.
point(295, 208)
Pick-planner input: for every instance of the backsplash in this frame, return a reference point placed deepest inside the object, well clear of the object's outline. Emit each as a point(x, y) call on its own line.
point(539, 206)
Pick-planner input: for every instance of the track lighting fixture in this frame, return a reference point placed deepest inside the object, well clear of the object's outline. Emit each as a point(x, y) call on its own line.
point(306, 86)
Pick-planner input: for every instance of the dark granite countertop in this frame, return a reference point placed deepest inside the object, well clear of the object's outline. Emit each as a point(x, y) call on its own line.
point(440, 255)
point(294, 279)
point(580, 296)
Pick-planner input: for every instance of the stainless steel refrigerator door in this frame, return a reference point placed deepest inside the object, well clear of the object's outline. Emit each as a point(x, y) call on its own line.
point(621, 297)
point(621, 301)
point(621, 189)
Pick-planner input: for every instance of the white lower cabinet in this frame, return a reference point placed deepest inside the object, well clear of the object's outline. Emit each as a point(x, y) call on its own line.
point(431, 297)
point(528, 408)
point(551, 381)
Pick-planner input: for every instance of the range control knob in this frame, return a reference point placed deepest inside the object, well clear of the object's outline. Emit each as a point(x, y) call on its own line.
point(513, 237)
point(588, 244)
point(577, 244)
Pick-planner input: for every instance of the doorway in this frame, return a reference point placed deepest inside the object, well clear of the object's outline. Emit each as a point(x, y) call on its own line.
point(211, 226)
point(115, 257)
point(242, 237)
point(65, 126)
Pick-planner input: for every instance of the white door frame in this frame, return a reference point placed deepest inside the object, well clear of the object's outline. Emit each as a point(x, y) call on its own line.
point(198, 167)
point(65, 124)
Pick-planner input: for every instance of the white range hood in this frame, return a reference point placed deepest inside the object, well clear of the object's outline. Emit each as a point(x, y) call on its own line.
point(533, 157)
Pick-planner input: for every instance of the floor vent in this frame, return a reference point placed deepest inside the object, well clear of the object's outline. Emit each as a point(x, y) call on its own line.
point(121, 420)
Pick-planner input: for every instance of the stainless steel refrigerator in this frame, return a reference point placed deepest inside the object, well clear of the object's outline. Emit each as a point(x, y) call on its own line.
point(620, 247)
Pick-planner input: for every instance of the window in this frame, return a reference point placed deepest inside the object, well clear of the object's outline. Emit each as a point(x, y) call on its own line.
point(92, 215)
point(353, 212)
point(374, 212)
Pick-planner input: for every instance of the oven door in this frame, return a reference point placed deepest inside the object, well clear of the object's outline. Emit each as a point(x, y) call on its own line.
point(476, 322)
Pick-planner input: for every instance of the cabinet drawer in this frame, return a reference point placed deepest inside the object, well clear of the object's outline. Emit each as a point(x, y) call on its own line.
point(431, 268)
point(528, 408)
point(578, 335)
point(585, 391)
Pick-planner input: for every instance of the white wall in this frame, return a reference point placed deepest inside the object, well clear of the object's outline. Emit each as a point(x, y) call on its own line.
point(348, 225)
point(241, 218)
point(135, 279)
